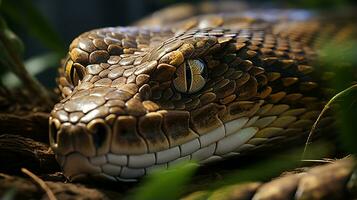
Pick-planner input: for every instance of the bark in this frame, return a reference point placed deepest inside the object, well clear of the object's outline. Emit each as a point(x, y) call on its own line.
point(28, 125)
point(17, 152)
point(21, 188)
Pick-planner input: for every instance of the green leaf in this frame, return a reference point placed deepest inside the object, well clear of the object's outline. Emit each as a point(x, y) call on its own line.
point(346, 118)
point(9, 195)
point(8, 45)
point(34, 66)
point(38, 64)
point(167, 184)
point(3, 24)
point(199, 195)
point(341, 59)
point(24, 13)
point(10, 56)
point(15, 42)
point(11, 47)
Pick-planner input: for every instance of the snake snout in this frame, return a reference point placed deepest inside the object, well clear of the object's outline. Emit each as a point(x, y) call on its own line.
point(79, 148)
point(89, 140)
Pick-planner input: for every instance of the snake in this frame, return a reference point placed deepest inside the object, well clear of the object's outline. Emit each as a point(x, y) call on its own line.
point(141, 98)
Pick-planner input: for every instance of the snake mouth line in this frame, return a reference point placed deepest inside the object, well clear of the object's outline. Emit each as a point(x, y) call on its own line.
point(93, 150)
point(227, 140)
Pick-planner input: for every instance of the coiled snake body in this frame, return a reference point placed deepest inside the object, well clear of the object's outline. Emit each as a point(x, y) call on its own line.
point(206, 88)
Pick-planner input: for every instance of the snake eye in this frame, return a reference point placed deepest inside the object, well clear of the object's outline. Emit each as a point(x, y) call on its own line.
point(74, 72)
point(190, 76)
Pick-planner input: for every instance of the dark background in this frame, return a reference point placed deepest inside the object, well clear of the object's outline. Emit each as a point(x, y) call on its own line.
point(72, 17)
point(69, 18)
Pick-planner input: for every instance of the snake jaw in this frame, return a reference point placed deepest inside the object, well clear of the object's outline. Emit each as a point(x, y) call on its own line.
point(123, 147)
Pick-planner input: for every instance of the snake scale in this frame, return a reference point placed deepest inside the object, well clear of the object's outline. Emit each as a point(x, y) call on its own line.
point(205, 88)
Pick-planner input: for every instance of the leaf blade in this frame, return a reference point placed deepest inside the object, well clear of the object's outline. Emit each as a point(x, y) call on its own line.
point(34, 22)
point(166, 184)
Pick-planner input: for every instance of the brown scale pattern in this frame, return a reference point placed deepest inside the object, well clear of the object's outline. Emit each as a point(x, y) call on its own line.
point(119, 81)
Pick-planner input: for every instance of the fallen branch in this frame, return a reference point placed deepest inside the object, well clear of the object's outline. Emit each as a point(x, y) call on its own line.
point(17, 152)
point(32, 125)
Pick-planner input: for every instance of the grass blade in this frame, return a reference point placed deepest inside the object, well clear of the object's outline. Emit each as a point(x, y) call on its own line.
point(341, 59)
point(10, 57)
point(167, 184)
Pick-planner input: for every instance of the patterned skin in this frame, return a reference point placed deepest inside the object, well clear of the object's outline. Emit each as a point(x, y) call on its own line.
point(205, 88)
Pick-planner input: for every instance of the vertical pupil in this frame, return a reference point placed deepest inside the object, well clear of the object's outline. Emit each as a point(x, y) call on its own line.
point(188, 75)
point(80, 74)
point(71, 75)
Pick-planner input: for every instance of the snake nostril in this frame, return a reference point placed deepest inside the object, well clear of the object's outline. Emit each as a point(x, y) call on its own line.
point(54, 127)
point(99, 133)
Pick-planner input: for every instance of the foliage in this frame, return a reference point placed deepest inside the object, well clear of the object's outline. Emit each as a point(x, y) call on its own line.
point(341, 58)
point(25, 14)
point(167, 184)
point(11, 50)
point(10, 194)
point(34, 66)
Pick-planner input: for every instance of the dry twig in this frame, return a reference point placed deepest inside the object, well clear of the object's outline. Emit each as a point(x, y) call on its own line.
point(41, 183)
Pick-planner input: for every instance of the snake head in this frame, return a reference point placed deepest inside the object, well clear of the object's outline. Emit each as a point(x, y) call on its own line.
point(138, 99)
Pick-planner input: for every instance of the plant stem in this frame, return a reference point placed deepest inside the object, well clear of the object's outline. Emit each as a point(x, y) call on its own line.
point(14, 62)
